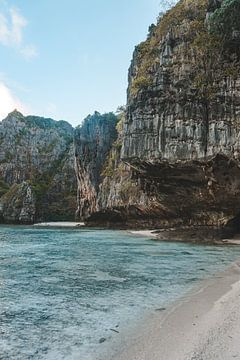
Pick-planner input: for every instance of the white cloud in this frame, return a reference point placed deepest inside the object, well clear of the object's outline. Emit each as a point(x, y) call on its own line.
point(8, 102)
point(29, 52)
point(12, 26)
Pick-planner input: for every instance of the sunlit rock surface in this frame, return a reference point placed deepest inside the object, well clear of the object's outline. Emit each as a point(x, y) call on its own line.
point(177, 156)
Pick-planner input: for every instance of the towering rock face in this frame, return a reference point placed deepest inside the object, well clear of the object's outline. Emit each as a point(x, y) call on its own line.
point(93, 141)
point(184, 104)
point(182, 126)
point(37, 177)
point(179, 146)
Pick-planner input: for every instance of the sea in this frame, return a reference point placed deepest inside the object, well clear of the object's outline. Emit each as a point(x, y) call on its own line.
point(65, 292)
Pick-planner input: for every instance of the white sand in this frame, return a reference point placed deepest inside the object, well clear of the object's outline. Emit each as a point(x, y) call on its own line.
point(60, 224)
point(205, 325)
point(232, 241)
point(148, 233)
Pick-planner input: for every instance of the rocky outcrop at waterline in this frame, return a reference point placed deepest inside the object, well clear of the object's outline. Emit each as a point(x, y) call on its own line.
point(176, 159)
point(37, 176)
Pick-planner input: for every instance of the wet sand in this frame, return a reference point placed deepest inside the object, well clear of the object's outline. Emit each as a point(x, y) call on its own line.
point(204, 325)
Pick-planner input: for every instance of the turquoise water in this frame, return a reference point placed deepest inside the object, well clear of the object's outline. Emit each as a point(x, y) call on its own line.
point(61, 291)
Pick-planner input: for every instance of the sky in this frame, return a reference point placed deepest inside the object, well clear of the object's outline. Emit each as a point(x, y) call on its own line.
point(67, 58)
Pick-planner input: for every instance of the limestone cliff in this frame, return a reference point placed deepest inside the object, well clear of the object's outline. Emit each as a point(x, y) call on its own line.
point(37, 177)
point(18, 205)
point(184, 91)
point(178, 153)
point(93, 141)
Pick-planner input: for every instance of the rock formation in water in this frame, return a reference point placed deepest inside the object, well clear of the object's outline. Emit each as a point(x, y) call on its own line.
point(176, 160)
point(37, 176)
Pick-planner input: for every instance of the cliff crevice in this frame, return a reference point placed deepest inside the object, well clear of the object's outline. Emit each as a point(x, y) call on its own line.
point(178, 157)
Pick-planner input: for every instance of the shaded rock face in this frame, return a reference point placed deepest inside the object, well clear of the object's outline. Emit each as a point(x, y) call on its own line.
point(213, 5)
point(18, 205)
point(38, 152)
point(178, 163)
point(93, 141)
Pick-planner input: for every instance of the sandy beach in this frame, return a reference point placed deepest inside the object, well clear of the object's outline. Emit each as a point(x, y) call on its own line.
point(148, 233)
point(204, 325)
point(62, 224)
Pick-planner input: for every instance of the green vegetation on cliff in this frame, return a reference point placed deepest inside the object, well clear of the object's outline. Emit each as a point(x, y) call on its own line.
point(112, 162)
point(225, 21)
point(206, 40)
point(4, 187)
point(38, 152)
point(98, 118)
point(176, 159)
point(191, 14)
point(55, 195)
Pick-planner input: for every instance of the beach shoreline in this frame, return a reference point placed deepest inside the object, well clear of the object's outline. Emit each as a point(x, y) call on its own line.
point(165, 235)
point(60, 224)
point(203, 324)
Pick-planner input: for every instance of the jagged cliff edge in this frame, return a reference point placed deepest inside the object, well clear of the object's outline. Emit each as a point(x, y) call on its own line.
point(176, 159)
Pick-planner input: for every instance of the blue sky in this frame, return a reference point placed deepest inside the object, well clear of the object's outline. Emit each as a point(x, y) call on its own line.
point(67, 58)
